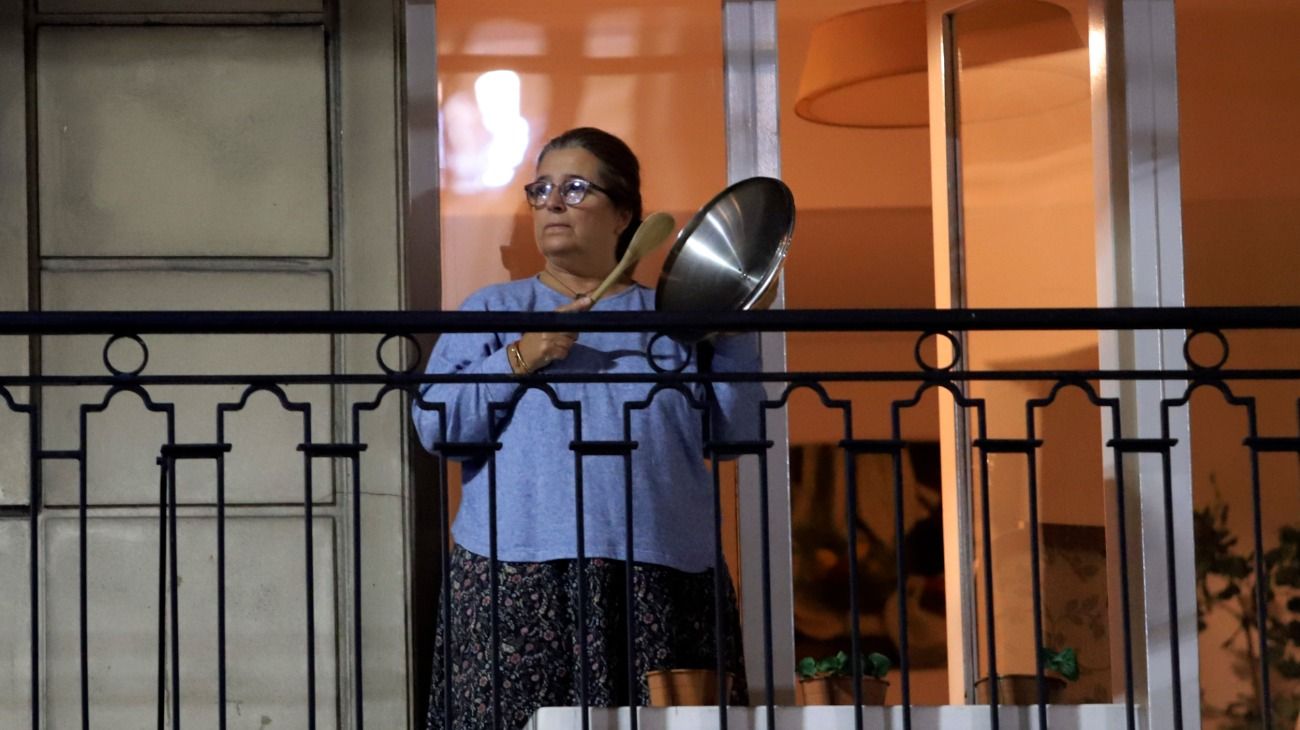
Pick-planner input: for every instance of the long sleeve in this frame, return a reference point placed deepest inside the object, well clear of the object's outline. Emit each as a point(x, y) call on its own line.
point(467, 405)
point(535, 474)
point(739, 405)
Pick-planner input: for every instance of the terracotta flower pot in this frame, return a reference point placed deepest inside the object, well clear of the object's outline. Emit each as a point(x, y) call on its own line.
point(670, 687)
point(1020, 689)
point(839, 691)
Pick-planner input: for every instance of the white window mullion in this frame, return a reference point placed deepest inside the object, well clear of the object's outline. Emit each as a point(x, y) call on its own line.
point(754, 148)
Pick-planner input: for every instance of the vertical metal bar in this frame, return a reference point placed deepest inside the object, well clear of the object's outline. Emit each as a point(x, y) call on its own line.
point(84, 626)
point(584, 658)
point(851, 533)
point(33, 262)
point(356, 585)
point(1175, 662)
point(900, 554)
point(765, 544)
point(170, 467)
point(221, 586)
point(629, 594)
point(310, 568)
point(1261, 577)
point(444, 546)
point(162, 593)
point(36, 498)
point(1035, 574)
point(905, 659)
point(33, 277)
point(719, 585)
point(493, 594)
point(1130, 709)
point(966, 637)
point(986, 543)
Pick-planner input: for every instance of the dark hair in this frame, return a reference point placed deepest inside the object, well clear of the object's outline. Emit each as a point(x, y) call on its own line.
point(619, 169)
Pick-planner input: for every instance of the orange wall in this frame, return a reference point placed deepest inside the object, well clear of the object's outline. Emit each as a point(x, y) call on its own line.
point(1239, 109)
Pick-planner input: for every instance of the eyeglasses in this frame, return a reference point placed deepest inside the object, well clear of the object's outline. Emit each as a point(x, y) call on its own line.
point(572, 191)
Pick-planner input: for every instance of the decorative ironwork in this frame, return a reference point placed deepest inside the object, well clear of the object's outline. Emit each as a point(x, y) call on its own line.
point(399, 376)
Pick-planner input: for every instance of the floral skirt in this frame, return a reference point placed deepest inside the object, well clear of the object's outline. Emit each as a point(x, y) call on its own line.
point(539, 655)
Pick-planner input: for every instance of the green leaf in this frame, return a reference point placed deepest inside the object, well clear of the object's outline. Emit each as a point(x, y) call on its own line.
point(841, 663)
point(1064, 662)
point(878, 665)
point(807, 667)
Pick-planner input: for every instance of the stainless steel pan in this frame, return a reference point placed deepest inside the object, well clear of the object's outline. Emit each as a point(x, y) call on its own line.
point(730, 253)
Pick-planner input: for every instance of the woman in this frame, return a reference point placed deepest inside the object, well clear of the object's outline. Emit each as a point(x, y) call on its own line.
point(586, 203)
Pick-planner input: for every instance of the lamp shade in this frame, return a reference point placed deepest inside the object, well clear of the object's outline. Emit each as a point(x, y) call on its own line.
point(866, 68)
point(1013, 29)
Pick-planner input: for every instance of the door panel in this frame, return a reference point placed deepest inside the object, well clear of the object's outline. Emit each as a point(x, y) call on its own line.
point(15, 640)
point(186, 141)
point(203, 161)
point(13, 254)
point(1025, 184)
point(265, 614)
point(15, 432)
point(264, 465)
point(169, 6)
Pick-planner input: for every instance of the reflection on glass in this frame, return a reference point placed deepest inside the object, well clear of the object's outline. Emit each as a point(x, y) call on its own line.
point(1026, 195)
point(512, 75)
point(497, 96)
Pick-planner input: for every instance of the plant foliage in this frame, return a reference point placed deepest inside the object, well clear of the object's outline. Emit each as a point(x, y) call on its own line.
point(873, 665)
point(1228, 581)
point(1064, 662)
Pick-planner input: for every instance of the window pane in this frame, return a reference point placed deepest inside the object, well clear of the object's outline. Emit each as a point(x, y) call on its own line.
point(512, 75)
point(1238, 109)
point(862, 240)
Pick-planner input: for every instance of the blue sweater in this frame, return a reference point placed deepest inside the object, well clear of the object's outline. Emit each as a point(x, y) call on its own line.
point(536, 468)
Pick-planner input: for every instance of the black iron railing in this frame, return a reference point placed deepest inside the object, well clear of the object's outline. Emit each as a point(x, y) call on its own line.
point(24, 394)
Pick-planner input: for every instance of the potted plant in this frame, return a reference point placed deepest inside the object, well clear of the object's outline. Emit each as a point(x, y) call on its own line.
point(829, 681)
point(1022, 689)
point(672, 687)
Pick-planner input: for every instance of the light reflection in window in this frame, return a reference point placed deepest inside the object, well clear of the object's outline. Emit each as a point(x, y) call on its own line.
point(647, 70)
point(497, 95)
point(486, 133)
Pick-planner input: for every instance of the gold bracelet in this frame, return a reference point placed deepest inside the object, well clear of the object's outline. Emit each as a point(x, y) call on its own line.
point(513, 351)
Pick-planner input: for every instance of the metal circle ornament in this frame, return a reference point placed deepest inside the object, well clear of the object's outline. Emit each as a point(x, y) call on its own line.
point(125, 372)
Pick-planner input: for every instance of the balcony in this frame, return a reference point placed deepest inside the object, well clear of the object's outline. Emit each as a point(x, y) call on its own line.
point(191, 542)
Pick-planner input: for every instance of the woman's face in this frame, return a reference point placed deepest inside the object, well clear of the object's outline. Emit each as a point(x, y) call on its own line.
point(585, 233)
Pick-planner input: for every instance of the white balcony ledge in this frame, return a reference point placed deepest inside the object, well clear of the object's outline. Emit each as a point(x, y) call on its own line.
point(947, 717)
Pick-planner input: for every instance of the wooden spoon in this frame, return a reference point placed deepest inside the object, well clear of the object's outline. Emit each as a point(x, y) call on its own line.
point(650, 235)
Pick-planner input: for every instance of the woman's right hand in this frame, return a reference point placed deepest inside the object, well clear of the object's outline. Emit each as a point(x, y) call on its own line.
point(540, 349)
